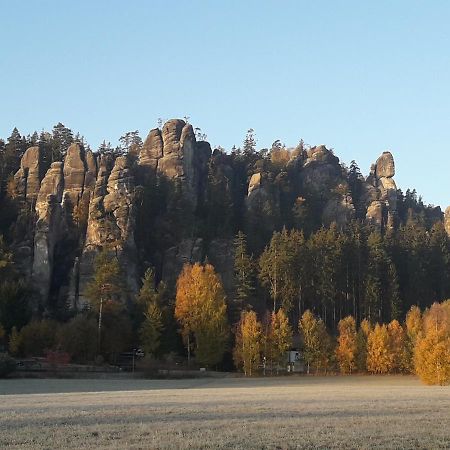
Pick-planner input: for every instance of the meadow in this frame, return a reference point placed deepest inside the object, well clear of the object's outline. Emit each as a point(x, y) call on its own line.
point(287, 412)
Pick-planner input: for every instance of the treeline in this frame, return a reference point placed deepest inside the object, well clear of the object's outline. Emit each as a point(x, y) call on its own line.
point(258, 342)
point(421, 345)
point(334, 273)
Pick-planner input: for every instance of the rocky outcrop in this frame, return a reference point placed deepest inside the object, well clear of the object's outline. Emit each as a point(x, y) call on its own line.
point(339, 210)
point(447, 220)
point(375, 213)
point(320, 169)
point(255, 183)
point(28, 177)
point(111, 222)
point(382, 192)
point(385, 167)
point(80, 172)
point(49, 227)
point(88, 203)
point(175, 154)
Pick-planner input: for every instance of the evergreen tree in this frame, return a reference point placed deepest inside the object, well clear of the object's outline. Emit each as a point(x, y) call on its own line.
point(149, 303)
point(249, 146)
point(244, 272)
point(62, 137)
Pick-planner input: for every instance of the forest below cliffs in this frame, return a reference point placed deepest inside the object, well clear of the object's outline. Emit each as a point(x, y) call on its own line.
point(115, 230)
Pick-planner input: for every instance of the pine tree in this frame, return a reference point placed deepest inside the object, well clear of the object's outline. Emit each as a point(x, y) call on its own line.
point(106, 290)
point(249, 146)
point(62, 137)
point(247, 350)
point(244, 272)
point(346, 350)
point(151, 329)
point(149, 303)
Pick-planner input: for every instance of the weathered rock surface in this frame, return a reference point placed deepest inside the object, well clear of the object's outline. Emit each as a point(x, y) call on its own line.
point(110, 225)
point(339, 210)
point(381, 192)
point(176, 154)
point(28, 177)
point(187, 251)
point(375, 213)
point(89, 202)
point(385, 167)
point(447, 220)
point(255, 183)
point(321, 169)
point(49, 227)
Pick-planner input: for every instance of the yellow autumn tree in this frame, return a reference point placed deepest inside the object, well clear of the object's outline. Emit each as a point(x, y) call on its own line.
point(397, 347)
point(361, 345)
point(346, 349)
point(316, 342)
point(278, 339)
point(247, 350)
point(432, 352)
point(413, 326)
point(379, 355)
point(200, 309)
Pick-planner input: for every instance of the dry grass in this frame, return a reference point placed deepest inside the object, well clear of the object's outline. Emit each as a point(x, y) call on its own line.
point(290, 412)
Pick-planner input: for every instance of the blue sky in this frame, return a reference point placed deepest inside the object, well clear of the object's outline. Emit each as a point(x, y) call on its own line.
point(361, 77)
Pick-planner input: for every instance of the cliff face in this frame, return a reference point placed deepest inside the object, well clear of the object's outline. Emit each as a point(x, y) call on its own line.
point(91, 202)
point(381, 194)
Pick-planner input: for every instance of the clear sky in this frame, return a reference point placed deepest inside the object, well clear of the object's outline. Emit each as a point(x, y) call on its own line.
point(358, 76)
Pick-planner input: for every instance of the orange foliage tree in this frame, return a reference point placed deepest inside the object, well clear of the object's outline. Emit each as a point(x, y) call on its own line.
point(397, 341)
point(278, 339)
point(346, 349)
point(361, 345)
point(413, 329)
point(200, 309)
point(432, 352)
point(379, 355)
point(247, 350)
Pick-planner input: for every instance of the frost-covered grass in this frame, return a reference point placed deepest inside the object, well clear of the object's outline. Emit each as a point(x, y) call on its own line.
point(290, 412)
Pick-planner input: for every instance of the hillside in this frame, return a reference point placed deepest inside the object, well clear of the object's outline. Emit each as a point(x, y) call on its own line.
point(172, 199)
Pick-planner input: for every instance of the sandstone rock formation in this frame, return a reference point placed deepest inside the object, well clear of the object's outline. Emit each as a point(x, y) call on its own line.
point(89, 202)
point(175, 153)
point(28, 177)
point(110, 225)
point(382, 200)
point(49, 226)
point(447, 220)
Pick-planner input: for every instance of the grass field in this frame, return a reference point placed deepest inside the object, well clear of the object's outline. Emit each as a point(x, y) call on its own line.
point(290, 412)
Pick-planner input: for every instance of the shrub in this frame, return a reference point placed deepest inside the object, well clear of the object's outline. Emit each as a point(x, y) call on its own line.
point(78, 338)
point(7, 365)
point(37, 337)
